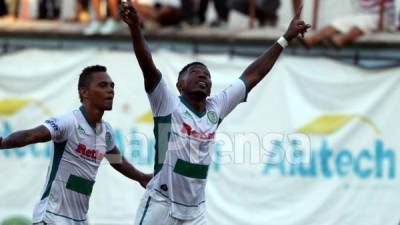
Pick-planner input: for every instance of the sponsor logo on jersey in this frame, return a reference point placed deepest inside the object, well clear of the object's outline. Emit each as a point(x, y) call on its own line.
point(188, 130)
point(53, 123)
point(92, 154)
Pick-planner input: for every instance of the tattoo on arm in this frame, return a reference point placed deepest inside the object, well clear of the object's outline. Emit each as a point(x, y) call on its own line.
point(26, 137)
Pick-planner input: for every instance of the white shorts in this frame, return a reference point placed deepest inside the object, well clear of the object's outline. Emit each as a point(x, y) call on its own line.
point(367, 23)
point(153, 212)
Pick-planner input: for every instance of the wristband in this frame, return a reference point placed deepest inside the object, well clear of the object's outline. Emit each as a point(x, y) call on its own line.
point(282, 42)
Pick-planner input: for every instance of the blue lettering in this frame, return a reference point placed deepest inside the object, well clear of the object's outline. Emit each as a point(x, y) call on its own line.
point(363, 173)
point(343, 162)
point(216, 162)
point(119, 141)
point(276, 158)
point(325, 154)
point(309, 169)
point(381, 155)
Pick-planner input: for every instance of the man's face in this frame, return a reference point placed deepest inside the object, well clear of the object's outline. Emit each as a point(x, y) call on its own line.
point(100, 92)
point(197, 80)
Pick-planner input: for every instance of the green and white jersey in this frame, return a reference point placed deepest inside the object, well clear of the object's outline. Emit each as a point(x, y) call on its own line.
point(184, 145)
point(77, 154)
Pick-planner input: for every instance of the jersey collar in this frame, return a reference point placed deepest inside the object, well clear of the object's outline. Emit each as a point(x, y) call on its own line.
point(82, 109)
point(191, 108)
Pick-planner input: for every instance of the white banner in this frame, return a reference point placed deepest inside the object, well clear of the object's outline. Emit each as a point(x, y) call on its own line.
point(315, 144)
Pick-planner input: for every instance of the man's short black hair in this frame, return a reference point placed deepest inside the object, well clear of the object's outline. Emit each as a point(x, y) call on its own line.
point(185, 68)
point(86, 76)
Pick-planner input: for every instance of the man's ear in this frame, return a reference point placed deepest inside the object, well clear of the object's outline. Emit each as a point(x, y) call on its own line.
point(179, 86)
point(83, 92)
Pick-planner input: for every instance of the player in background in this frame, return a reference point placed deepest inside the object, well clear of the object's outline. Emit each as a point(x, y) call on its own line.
point(81, 140)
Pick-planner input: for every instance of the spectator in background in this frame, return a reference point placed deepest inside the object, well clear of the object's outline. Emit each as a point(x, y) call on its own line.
point(11, 9)
point(346, 29)
point(26, 9)
point(159, 12)
point(49, 9)
point(222, 10)
point(103, 25)
point(3, 8)
point(266, 10)
point(75, 10)
point(82, 11)
point(190, 9)
point(397, 16)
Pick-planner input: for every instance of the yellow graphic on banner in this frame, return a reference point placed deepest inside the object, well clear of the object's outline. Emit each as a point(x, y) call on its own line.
point(329, 123)
point(145, 118)
point(10, 106)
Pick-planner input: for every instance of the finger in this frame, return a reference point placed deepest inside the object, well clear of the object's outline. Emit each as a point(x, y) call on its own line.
point(301, 23)
point(128, 6)
point(304, 30)
point(298, 11)
point(122, 12)
point(126, 3)
point(124, 9)
point(129, 3)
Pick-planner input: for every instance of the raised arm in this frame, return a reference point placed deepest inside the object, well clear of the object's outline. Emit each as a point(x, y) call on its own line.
point(257, 70)
point(25, 137)
point(143, 55)
point(119, 163)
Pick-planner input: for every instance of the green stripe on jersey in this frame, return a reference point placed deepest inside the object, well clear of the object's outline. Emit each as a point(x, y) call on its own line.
point(57, 155)
point(80, 185)
point(162, 134)
point(66, 217)
point(192, 170)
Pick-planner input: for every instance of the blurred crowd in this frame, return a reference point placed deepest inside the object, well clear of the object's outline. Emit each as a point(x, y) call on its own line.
point(102, 17)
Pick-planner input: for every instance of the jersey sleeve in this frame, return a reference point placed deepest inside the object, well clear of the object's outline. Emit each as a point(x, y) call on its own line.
point(59, 127)
point(109, 137)
point(162, 101)
point(230, 97)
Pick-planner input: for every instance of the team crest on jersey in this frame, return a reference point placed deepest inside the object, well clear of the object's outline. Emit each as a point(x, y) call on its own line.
point(108, 139)
point(81, 130)
point(212, 117)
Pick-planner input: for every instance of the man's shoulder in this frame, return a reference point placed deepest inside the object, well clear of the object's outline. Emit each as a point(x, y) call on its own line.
point(107, 125)
point(63, 118)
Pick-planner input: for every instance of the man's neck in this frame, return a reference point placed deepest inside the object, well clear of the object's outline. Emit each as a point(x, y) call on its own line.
point(93, 115)
point(198, 103)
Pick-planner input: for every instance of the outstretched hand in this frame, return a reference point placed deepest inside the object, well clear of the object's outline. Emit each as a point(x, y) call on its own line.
point(297, 26)
point(145, 180)
point(129, 14)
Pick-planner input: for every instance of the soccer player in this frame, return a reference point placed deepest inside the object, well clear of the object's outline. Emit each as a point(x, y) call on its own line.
point(81, 140)
point(185, 126)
